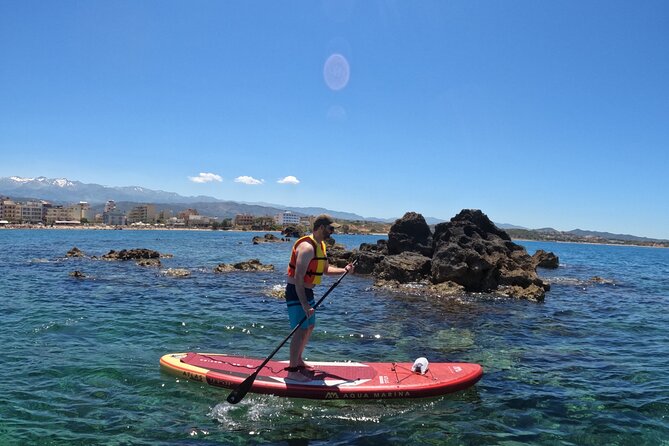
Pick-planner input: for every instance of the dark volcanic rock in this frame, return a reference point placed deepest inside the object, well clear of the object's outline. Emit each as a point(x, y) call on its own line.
point(77, 275)
point(367, 261)
point(253, 265)
point(75, 252)
point(368, 256)
point(292, 231)
point(543, 259)
point(132, 254)
point(268, 238)
point(471, 251)
point(468, 253)
point(337, 254)
point(410, 233)
point(249, 265)
point(381, 246)
point(404, 267)
point(149, 262)
point(144, 257)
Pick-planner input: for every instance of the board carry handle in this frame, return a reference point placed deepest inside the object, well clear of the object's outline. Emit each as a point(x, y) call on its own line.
point(240, 392)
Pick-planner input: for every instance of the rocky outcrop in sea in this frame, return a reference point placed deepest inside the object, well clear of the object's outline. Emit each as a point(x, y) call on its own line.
point(75, 252)
point(249, 265)
point(142, 256)
point(268, 238)
point(468, 253)
point(543, 259)
point(292, 231)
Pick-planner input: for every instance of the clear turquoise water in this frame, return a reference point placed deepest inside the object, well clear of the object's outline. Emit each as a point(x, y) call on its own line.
point(80, 362)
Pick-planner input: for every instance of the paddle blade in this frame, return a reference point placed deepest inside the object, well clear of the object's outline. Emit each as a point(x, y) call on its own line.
point(240, 392)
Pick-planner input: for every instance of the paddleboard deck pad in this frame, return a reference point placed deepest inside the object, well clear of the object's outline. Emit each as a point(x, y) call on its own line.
point(328, 380)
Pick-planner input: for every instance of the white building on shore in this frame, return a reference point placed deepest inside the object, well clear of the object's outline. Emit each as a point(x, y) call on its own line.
point(287, 218)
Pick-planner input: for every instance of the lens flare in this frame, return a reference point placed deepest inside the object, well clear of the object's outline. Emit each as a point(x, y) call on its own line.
point(336, 72)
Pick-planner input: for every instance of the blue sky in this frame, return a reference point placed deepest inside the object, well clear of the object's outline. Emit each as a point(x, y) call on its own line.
point(538, 113)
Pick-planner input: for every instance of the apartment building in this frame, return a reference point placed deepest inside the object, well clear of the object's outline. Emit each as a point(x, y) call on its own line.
point(31, 212)
point(10, 211)
point(201, 220)
point(81, 211)
point(114, 218)
point(72, 213)
point(243, 220)
point(145, 214)
point(58, 213)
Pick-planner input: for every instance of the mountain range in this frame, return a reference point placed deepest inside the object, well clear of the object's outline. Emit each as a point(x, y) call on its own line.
point(64, 191)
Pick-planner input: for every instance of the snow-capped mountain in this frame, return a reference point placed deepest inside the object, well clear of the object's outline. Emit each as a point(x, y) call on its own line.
point(62, 189)
point(60, 182)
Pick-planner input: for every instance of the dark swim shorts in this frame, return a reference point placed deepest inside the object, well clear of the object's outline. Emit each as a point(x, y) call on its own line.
point(295, 310)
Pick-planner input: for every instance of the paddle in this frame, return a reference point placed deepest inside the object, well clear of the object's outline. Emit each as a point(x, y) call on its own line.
point(240, 392)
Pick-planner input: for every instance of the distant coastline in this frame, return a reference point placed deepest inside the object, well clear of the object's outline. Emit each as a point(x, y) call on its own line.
point(536, 237)
point(561, 237)
point(94, 227)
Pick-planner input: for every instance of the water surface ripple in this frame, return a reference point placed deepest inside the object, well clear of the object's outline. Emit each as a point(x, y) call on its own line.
point(586, 367)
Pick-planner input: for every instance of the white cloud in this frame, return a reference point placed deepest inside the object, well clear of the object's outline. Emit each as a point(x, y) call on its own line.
point(205, 177)
point(248, 180)
point(289, 180)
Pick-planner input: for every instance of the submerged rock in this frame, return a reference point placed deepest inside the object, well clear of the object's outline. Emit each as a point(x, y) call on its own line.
point(276, 291)
point(177, 272)
point(421, 288)
point(601, 281)
point(77, 275)
point(249, 265)
point(149, 262)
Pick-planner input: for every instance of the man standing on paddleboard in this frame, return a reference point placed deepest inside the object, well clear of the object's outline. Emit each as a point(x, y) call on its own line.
point(308, 263)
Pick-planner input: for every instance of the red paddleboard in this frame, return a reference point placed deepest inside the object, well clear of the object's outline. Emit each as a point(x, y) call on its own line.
point(329, 380)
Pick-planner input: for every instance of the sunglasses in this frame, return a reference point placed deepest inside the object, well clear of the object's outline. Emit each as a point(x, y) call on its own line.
point(331, 229)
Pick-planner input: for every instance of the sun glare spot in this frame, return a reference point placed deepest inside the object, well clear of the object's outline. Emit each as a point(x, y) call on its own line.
point(336, 72)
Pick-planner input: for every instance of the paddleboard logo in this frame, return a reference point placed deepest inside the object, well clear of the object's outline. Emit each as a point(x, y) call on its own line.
point(192, 376)
point(219, 382)
point(366, 395)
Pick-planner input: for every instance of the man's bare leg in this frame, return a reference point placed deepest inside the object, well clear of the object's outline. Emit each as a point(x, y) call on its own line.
point(305, 341)
point(297, 345)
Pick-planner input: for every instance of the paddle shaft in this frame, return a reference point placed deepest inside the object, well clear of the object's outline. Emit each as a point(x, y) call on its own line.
point(240, 392)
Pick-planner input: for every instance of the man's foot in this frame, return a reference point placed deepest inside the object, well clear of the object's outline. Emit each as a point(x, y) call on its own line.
point(302, 376)
point(305, 366)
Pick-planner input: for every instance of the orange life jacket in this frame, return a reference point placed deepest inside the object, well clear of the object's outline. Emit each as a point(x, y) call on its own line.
point(316, 266)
